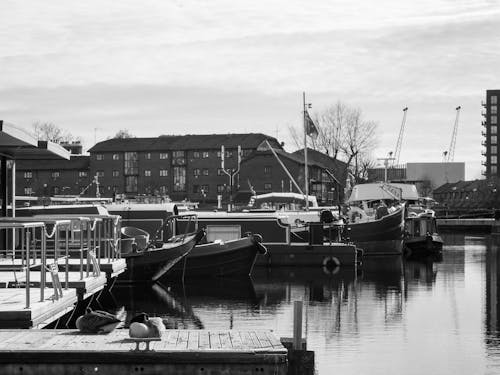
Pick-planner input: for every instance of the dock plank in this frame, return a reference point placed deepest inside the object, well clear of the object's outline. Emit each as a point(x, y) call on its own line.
point(203, 340)
point(214, 340)
point(264, 341)
point(193, 337)
point(182, 340)
point(246, 340)
point(171, 342)
point(236, 341)
point(225, 341)
point(275, 342)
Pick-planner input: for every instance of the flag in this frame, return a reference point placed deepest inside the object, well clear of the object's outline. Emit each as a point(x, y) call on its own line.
point(311, 129)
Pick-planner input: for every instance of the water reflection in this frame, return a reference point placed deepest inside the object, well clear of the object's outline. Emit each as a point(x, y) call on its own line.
point(390, 316)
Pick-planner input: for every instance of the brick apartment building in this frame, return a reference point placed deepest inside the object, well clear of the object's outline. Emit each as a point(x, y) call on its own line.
point(181, 167)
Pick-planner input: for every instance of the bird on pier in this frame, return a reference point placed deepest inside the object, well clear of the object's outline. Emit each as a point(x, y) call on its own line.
point(142, 326)
point(97, 321)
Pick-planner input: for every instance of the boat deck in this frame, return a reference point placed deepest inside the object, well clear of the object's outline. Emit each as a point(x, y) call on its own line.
point(178, 351)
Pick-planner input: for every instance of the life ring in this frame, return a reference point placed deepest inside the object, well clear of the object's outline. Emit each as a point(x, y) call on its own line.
point(331, 265)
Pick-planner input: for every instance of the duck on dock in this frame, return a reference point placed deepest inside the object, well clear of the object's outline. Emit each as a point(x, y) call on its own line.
point(97, 321)
point(142, 326)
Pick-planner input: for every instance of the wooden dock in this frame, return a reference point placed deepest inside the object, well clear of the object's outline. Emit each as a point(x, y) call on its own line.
point(57, 352)
point(484, 224)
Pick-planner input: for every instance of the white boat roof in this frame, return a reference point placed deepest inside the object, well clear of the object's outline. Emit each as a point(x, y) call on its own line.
point(285, 197)
point(375, 191)
point(117, 207)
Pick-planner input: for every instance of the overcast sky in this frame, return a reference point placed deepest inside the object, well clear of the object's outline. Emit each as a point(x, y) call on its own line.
point(186, 66)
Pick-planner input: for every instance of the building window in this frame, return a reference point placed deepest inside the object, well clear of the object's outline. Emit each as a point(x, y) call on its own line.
point(55, 174)
point(493, 150)
point(268, 186)
point(99, 173)
point(179, 179)
point(131, 184)
point(493, 139)
point(116, 156)
point(493, 130)
point(163, 172)
point(493, 119)
point(147, 173)
point(493, 159)
point(28, 174)
point(493, 109)
point(196, 172)
point(131, 164)
point(246, 152)
point(163, 189)
point(228, 154)
point(220, 172)
point(205, 155)
point(147, 156)
point(99, 156)
point(116, 173)
point(196, 154)
point(493, 169)
point(493, 99)
point(267, 169)
point(204, 189)
point(28, 191)
point(220, 188)
point(163, 155)
point(178, 158)
point(205, 171)
point(83, 174)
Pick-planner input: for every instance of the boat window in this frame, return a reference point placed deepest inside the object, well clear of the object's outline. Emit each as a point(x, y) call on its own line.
point(223, 232)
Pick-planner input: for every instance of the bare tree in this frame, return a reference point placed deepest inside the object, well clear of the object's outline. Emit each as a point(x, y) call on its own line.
point(345, 135)
point(123, 133)
point(48, 131)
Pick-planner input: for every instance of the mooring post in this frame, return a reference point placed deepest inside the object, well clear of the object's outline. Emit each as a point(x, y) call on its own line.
point(297, 325)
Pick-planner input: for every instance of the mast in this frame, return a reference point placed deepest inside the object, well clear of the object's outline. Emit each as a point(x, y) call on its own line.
point(306, 172)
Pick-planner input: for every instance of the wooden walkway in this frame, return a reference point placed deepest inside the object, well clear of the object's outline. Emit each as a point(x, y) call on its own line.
point(14, 314)
point(13, 295)
point(178, 352)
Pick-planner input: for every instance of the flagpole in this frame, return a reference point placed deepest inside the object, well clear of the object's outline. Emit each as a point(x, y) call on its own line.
point(306, 172)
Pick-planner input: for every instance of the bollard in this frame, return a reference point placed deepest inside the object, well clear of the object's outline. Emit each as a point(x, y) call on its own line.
point(300, 360)
point(297, 325)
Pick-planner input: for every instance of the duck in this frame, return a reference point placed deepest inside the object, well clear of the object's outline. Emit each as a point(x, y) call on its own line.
point(143, 326)
point(97, 321)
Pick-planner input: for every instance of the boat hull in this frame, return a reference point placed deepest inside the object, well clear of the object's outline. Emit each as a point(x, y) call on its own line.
point(150, 265)
point(423, 246)
point(379, 237)
point(234, 258)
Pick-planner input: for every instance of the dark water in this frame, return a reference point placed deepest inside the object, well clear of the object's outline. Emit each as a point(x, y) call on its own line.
point(393, 317)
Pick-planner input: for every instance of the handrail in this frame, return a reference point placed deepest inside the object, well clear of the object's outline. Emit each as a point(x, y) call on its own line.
point(170, 219)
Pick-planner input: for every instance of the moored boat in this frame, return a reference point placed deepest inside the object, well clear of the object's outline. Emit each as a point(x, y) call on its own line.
point(152, 263)
point(234, 258)
point(421, 235)
point(372, 225)
point(157, 258)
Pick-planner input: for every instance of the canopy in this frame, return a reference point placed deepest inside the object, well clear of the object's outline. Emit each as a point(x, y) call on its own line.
point(276, 199)
point(382, 190)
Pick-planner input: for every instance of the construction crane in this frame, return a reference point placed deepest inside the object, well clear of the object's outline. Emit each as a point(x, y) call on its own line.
point(450, 154)
point(400, 138)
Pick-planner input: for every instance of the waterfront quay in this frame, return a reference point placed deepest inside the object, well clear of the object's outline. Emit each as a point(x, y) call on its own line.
point(58, 352)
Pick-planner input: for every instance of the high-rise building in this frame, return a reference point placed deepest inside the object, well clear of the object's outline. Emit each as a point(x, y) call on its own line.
point(490, 133)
